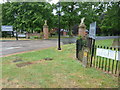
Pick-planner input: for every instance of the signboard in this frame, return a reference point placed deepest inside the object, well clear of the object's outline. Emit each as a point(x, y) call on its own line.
point(6, 28)
point(85, 54)
point(92, 30)
point(118, 55)
point(102, 52)
point(111, 54)
point(85, 57)
point(21, 35)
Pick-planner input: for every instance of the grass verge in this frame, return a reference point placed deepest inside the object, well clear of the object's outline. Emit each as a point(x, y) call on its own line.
point(13, 38)
point(106, 42)
point(64, 71)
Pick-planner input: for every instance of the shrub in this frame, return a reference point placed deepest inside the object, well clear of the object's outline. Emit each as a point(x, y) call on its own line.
point(34, 37)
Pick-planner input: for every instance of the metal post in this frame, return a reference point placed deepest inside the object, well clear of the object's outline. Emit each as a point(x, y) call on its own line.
point(16, 35)
point(92, 51)
point(59, 48)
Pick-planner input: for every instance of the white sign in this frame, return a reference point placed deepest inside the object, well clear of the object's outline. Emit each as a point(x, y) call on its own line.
point(7, 28)
point(21, 35)
point(118, 55)
point(102, 52)
point(98, 51)
point(92, 30)
point(111, 54)
point(115, 55)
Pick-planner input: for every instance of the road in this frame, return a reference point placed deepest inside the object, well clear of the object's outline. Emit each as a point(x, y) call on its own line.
point(12, 47)
point(106, 37)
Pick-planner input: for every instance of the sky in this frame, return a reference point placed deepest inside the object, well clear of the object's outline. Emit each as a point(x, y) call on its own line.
point(53, 1)
point(1, 1)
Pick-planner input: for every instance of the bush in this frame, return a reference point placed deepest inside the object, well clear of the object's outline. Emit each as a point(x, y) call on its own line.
point(34, 37)
point(41, 35)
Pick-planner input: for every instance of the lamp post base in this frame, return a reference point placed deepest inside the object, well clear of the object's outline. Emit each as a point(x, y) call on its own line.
point(59, 48)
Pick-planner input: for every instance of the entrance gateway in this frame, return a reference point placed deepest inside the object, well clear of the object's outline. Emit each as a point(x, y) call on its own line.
point(85, 43)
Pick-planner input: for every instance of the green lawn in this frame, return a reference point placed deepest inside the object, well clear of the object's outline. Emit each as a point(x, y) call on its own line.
point(106, 42)
point(64, 71)
point(13, 38)
point(56, 37)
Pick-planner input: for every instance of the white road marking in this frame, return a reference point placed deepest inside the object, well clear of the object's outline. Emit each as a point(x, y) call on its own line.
point(12, 47)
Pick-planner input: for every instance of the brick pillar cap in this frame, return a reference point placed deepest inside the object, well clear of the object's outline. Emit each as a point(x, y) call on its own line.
point(82, 26)
point(45, 26)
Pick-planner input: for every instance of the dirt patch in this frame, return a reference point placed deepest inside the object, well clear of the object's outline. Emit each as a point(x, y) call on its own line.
point(23, 64)
point(65, 82)
point(10, 83)
point(48, 59)
point(116, 42)
point(38, 61)
point(33, 62)
point(17, 60)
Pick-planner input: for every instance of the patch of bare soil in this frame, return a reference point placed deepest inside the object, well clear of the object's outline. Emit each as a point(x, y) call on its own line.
point(65, 82)
point(23, 64)
point(7, 83)
point(116, 43)
point(33, 62)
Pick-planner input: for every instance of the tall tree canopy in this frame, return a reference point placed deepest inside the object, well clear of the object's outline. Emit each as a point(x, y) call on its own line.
point(111, 21)
point(30, 16)
point(27, 16)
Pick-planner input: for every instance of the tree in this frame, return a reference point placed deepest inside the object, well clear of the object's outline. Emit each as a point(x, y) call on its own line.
point(30, 16)
point(74, 11)
point(110, 23)
point(27, 16)
point(70, 15)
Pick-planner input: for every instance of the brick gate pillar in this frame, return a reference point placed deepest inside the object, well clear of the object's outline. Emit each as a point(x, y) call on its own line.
point(45, 30)
point(64, 33)
point(82, 29)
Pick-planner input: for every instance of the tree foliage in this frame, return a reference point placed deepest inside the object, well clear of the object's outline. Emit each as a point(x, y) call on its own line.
point(27, 16)
point(111, 21)
point(30, 16)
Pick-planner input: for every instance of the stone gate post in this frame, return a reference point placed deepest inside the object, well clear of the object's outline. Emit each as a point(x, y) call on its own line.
point(45, 30)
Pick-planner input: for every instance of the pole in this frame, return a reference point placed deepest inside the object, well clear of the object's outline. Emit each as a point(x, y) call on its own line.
point(92, 51)
point(16, 35)
point(59, 48)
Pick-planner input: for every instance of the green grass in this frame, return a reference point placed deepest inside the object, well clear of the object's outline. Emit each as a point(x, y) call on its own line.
point(101, 62)
point(64, 71)
point(56, 36)
point(106, 42)
point(13, 38)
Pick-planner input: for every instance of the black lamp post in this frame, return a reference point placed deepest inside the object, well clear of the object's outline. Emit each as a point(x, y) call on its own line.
point(59, 48)
point(17, 28)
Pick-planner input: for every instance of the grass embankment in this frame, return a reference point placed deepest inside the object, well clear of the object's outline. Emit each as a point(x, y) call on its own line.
point(13, 38)
point(106, 42)
point(32, 38)
point(64, 71)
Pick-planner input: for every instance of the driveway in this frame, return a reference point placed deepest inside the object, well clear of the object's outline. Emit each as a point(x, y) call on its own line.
point(13, 47)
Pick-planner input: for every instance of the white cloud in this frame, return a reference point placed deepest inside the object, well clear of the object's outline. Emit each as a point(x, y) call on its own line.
point(54, 1)
point(1, 1)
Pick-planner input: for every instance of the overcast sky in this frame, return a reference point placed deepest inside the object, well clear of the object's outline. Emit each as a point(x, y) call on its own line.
point(53, 1)
point(1, 1)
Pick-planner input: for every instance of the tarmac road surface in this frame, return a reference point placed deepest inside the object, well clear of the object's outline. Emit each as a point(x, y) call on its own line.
point(12, 47)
